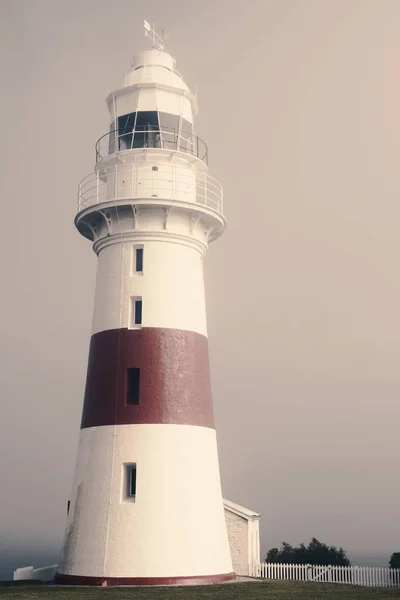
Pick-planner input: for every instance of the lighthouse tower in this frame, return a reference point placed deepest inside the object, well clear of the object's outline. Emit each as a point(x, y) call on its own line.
point(146, 505)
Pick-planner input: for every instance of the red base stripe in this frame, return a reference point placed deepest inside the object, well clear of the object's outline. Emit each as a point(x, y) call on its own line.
point(115, 581)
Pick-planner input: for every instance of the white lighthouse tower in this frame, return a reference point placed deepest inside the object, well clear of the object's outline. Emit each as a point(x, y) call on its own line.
point(146, 505)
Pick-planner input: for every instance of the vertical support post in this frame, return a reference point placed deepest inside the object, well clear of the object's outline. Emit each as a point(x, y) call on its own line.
point(97, 187)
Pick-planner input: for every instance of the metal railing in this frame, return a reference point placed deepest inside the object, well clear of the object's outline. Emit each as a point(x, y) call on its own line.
point(169, 183)
point(163, 137)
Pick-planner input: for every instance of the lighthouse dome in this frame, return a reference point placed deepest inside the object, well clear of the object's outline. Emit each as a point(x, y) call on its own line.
point(154, 66)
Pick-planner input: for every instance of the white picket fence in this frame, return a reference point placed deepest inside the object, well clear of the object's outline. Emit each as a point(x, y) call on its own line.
point(366, 576)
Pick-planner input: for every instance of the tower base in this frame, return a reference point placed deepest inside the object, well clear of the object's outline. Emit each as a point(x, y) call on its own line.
point(136, 581)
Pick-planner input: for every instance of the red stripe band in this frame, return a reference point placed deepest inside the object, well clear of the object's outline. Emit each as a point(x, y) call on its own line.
point(174, 380)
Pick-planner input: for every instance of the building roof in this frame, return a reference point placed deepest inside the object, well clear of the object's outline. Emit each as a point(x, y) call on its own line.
point(246, 513)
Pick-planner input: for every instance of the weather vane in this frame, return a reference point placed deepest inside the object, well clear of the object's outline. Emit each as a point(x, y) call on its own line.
point(158, 40)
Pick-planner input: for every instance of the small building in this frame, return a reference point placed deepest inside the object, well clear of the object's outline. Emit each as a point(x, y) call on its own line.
point(243, 527)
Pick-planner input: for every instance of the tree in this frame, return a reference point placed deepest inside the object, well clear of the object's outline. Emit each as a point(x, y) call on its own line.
point(316, 553)
point(272, 556)
point(394, 562)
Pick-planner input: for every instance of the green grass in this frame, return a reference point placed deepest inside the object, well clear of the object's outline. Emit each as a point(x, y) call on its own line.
point(268, 590)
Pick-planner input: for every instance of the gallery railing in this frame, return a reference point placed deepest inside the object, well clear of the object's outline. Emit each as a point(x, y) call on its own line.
point(163, 183)
point(163, 137)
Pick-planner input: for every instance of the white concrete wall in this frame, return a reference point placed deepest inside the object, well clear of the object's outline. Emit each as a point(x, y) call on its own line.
point(139, 180)
point(237, 528)
point(171, 286)
point(176, 525)
point(23, 573)
point(254, 541)
point(42, 574)
point(243, 528)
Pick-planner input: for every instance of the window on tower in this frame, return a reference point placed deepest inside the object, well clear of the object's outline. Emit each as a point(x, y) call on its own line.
point(136, 312)
point(137, 259)
point(147, 131)
point(138, 130)
point(126, 124)
point(152, 129)
point(186, 137)
point(132, 385)
point(169, 126)
point(130, 475)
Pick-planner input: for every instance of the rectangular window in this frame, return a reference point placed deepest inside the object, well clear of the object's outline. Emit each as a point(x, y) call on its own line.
point(147, 130)
point(137, 260)
point(132, 385)
point(126, 124)
point(186, 139)
point(129, 487)
point(136, 312)
point(169, 125)
point(132, 481)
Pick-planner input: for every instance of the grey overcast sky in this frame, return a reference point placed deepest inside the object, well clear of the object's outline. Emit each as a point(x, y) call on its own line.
point(299, 105)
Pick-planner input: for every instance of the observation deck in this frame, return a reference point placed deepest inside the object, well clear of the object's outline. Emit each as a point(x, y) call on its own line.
point(134, 182)
point(145, 164)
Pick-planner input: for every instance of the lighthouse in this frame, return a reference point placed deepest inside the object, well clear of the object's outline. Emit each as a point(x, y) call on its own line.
point(146, 506)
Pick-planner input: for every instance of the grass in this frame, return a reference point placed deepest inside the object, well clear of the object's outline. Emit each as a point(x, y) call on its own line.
point(266, 590)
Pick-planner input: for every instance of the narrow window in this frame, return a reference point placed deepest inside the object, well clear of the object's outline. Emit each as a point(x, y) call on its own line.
point(139, 260)
point(126, 124)
point(147, 130)
point(130, 481)
point(132, 385)
point(169, 126)
point(136, 312)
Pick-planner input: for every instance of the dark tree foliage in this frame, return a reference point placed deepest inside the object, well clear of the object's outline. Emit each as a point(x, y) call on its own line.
point(394, 562)
point(316, 553)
